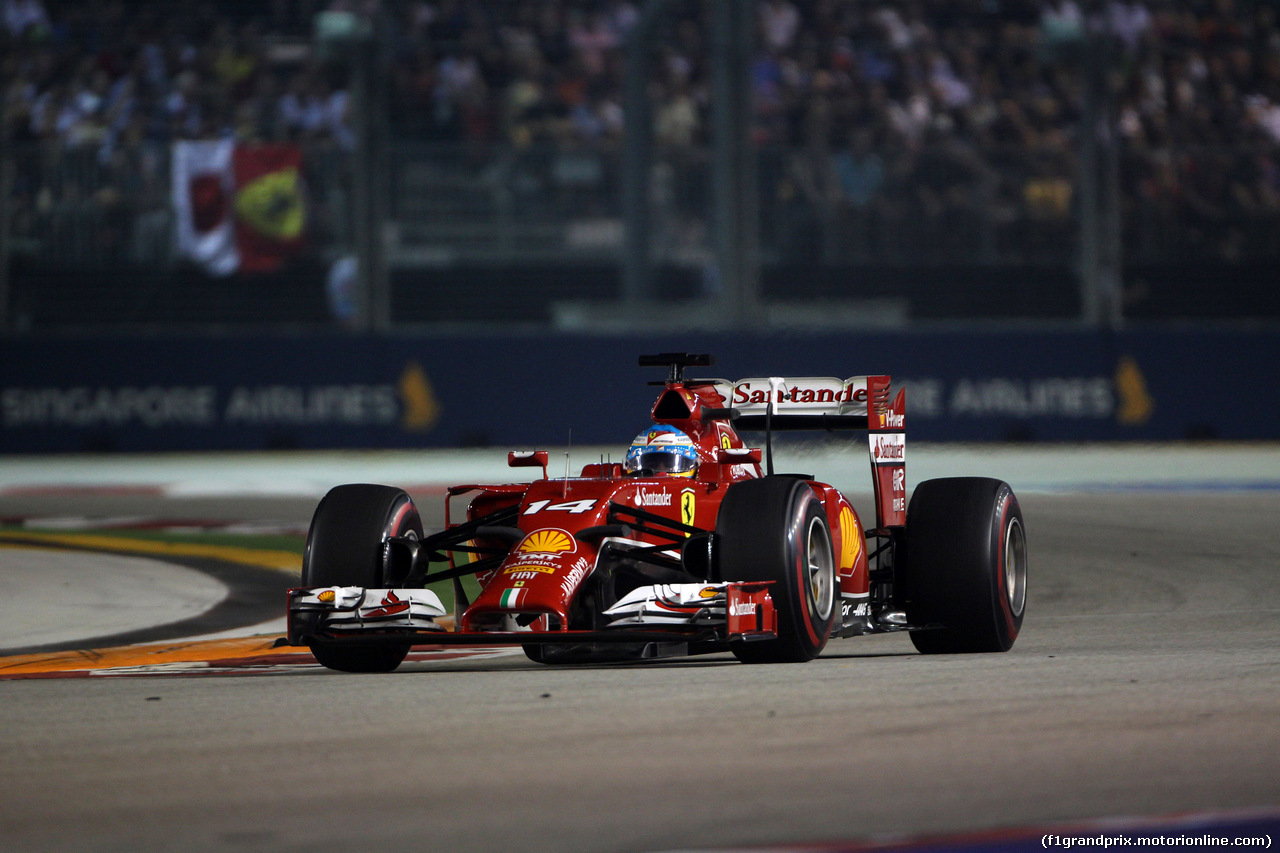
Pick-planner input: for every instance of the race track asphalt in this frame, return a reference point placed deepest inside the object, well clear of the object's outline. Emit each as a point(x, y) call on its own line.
point(1145, 682)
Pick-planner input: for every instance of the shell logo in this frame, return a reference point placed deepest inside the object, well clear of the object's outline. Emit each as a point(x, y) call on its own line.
point(546, 542)
point(850, 538)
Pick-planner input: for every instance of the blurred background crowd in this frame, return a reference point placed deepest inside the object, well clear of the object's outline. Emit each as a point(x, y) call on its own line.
point(887, 132)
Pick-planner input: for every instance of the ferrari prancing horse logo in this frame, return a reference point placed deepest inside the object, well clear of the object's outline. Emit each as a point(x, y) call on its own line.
point(687, 506)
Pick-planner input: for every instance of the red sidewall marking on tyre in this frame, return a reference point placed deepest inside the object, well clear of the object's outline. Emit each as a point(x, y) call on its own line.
point(803, 576)
point(1002, 577)
point(400, 515)
point(803, 583)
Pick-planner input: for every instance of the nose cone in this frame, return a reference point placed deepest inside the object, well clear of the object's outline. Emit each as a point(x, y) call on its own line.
point(539, 578)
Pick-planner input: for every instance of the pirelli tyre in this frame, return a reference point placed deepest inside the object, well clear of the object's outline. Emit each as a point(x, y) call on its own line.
point(964, 569)
point(345, 546)
point(775, 529)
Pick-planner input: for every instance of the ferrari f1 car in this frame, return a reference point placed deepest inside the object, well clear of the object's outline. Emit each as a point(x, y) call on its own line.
point(691, 545)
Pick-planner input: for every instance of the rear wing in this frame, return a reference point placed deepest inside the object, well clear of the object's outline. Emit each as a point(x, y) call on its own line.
point(806, 402)
point(827, 403)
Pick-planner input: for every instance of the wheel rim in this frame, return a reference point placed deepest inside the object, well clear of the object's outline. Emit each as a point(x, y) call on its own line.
point(821, 567)
point(1015, 566)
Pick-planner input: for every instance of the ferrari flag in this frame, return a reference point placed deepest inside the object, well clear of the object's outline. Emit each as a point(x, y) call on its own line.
point(270, 213)
point(238, 208)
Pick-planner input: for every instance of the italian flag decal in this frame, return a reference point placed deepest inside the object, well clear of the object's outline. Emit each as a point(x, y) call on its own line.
point(510, 597)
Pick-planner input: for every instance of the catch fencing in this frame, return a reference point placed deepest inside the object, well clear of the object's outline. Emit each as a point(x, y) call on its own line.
point(501, 233)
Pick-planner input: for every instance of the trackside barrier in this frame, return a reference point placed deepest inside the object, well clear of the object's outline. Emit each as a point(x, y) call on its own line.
point(522, 390)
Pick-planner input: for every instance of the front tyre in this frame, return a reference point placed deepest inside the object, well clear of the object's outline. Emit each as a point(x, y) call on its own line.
point(775, 529)
point(345, 547)
point(965, 566)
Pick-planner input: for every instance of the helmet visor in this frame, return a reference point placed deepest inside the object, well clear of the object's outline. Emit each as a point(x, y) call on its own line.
point(665, 462)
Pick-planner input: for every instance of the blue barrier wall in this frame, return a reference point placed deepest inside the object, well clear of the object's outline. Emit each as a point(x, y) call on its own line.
point(183, 393)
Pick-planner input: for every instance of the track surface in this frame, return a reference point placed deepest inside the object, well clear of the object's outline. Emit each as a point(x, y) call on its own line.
point(122, 593)
point(1146, 681)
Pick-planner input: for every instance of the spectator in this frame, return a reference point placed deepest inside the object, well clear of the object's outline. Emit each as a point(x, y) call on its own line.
point(928, 78)
point(860, 170)
point(26, 19)
point(780, 21)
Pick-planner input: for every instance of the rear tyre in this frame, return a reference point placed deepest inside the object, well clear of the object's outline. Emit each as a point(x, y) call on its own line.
point(345, 547)
point(965, 566)
point(775, 529)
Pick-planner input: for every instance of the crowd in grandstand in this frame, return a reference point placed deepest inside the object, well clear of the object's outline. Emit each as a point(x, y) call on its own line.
point(879, 109)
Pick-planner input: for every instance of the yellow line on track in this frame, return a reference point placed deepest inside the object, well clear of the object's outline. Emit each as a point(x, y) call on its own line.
point(155, 653)
point(152, 654)
point(268, 559)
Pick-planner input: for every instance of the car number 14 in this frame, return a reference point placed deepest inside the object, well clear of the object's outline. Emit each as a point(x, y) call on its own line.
point(575, 507)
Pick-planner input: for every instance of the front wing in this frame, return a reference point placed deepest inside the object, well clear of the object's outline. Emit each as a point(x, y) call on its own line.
point(697, 612)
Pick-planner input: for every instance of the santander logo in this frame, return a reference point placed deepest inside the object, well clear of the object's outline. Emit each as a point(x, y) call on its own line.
point(799, 392)
point(889, 449)
point(644, 498)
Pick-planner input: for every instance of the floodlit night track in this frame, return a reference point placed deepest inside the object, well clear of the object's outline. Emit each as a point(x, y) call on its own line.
point(1145, 682)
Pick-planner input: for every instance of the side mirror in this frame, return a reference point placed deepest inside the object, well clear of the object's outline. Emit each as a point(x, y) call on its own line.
point(528, 459)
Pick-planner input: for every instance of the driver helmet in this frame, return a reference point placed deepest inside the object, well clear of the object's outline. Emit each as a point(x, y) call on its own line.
point(662, 449)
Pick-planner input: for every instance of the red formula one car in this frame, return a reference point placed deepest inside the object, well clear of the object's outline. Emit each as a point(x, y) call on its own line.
point(685, 547)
